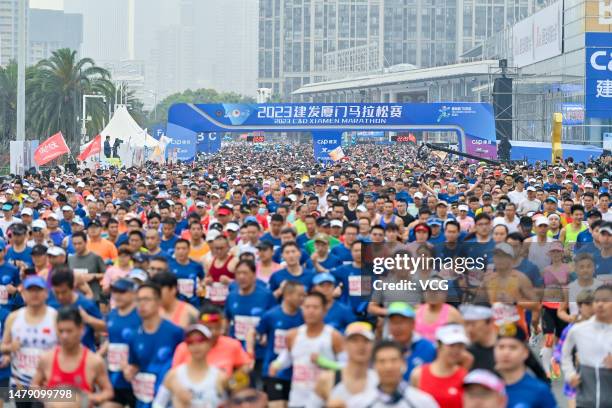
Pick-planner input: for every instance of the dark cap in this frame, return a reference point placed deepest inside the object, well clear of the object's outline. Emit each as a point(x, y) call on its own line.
point(39, 250)
point(94, 223)
point(263, 245)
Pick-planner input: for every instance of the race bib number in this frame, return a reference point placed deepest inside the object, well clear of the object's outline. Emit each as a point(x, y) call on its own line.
point(117, 356)
point(505, 313)
point(304, 375)
point(280, 336)
point(4, 295)
point(143, 385)
point(80, 271)
point(354, 285)
point(243, 324)
point(217, 292)
point(186, 287)
point(26, 360)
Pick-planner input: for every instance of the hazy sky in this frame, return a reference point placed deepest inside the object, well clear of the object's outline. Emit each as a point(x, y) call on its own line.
point(47, 4)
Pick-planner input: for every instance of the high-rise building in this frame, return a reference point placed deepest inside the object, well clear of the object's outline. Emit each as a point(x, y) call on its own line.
point(214, 45)
point(49, 30)
point(297, 37)
point(9, 29)
point(106, 28)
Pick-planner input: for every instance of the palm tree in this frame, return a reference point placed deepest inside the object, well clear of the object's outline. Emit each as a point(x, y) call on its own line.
point(8, 102)
point(56, 95)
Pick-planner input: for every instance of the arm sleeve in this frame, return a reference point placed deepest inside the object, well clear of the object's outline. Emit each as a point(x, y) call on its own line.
point(162, 398)
point(567, 360)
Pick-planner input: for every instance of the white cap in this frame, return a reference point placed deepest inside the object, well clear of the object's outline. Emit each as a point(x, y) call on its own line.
point(91, 198)
point(80, 184)
point(343, 198)
point(78, 220)
point(418, 194)
point(463, 207)
point(530, 188)
point(215, 195)
point(236, 182)
point(67, 208)
point(336, 223)
point(451, 334)
point(27, 211)
point(56, 251)
point(232, 226)
point(201, 204)
point(39, 224)
point(292, 197)
point(299, 186)
point(541, 221)
point(70, 190)
point(212, 235)
point(53, 215)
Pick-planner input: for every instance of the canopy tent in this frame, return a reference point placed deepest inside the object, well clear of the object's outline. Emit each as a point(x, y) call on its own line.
point(123, 127)
point(135, 140)
point(542, 151)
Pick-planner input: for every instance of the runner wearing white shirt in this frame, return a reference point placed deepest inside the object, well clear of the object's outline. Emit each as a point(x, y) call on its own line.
point(530, 204)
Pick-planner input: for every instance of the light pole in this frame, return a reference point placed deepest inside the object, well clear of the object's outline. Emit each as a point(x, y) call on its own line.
point(84, 117)
point(151, 92)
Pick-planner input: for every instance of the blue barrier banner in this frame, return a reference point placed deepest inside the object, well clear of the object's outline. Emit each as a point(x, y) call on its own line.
point(325, 142)
point(598, 72)
point(473, 122)
point(182, 139)
point(157, 130)
point(209, 142)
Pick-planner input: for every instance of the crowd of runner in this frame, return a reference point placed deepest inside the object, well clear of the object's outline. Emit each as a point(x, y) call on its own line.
point(245, 280)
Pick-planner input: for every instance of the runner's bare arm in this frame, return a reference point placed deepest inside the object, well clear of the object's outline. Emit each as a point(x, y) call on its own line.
point(528, 296)
point(376, 309)
point(454, 316)
point(95, 323)
point(325, 384)
point(415, 377)
point(40, 377)
point(337, 342)
point(101, 380)
point(193, 313)
point(7, 340)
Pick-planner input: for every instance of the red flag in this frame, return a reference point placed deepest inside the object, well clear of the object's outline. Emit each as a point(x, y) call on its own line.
point(93, 147)
point(50, 149)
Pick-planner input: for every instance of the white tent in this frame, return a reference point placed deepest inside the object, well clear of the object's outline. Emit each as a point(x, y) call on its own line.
point(135, 139)
point(122, 126)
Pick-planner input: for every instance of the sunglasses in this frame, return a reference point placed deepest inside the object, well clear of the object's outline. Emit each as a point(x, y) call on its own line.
point(195, 340)
point(210, 318)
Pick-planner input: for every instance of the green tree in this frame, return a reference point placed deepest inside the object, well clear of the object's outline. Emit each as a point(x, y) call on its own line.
point(56, 95)
point(8, 101)
point(160, 112)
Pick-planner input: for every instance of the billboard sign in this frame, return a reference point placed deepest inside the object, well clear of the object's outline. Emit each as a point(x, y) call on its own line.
point(538, 37)
point(473, 122)
point(598, 73)
point(573, 113)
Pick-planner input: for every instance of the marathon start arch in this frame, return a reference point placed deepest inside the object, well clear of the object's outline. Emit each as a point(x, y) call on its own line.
point(197, 128)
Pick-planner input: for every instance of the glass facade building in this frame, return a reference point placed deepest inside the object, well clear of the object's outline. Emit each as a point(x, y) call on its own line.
point(295, 35)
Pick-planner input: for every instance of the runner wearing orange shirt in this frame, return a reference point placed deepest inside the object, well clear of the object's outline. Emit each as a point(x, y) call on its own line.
point(98, 245)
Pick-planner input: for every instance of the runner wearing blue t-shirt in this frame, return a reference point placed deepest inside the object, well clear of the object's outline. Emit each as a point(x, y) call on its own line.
point(189, 273)
point(9, 281)
point(64, 294)
point(417, 350)
point(293, 271)
point(244, 308)
point(343, 251)
point(523, 390)
point(338, 314)
point(151, 348)
point(273, 327)
point(122, 322)
point(349, 277)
